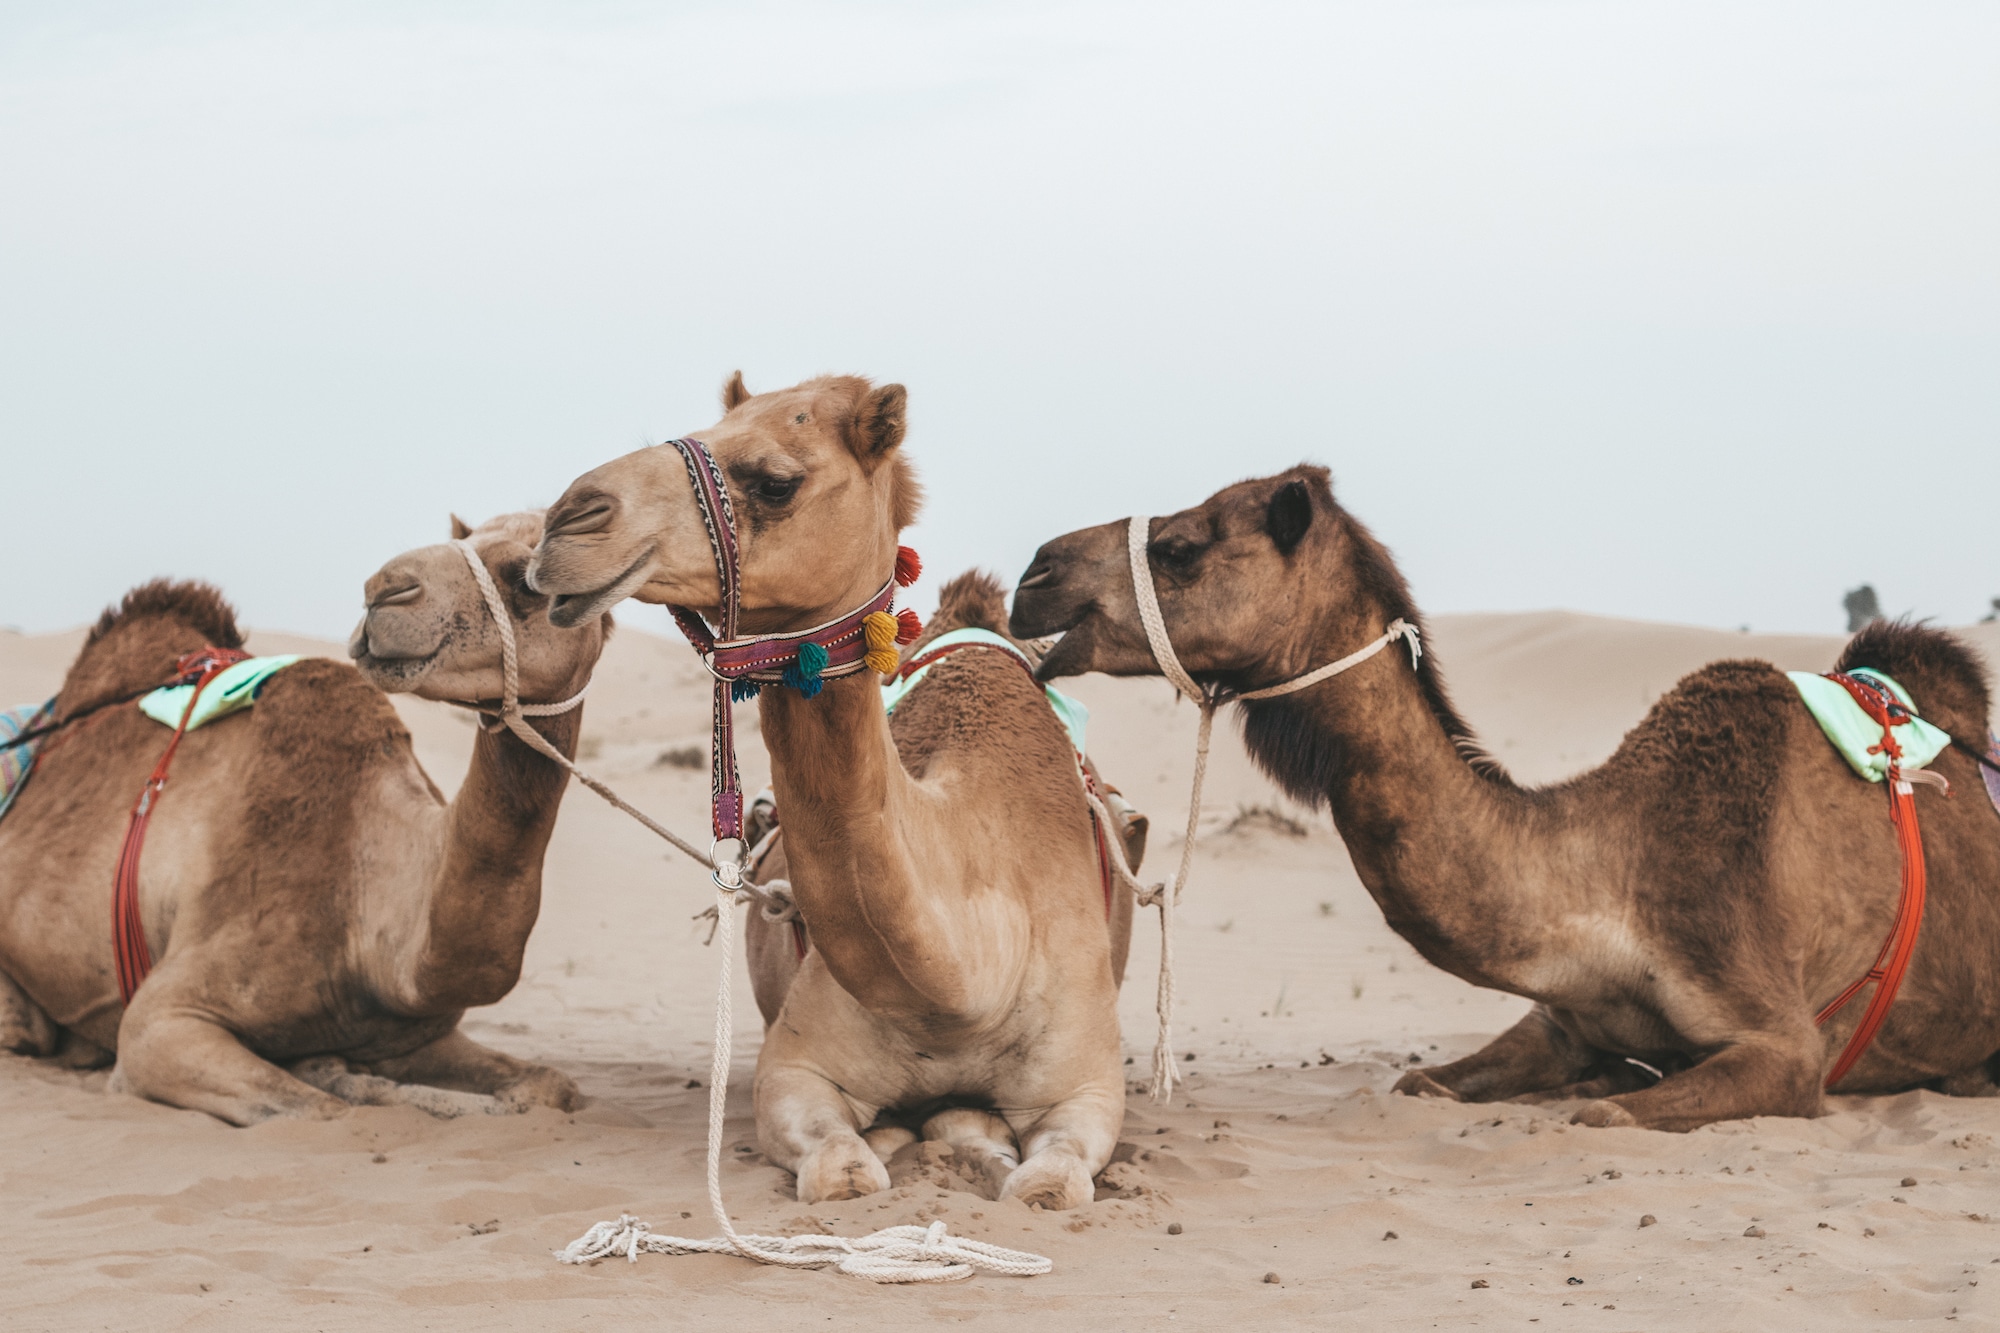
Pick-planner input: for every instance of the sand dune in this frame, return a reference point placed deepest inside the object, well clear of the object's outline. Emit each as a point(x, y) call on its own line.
point(1286, 1154)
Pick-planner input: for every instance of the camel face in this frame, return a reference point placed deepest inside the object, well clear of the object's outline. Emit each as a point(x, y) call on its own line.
point(818, 492)
point(427, 630)
point(1218, 569)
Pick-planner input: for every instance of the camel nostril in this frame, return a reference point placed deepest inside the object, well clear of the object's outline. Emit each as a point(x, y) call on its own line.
point(591, 515)
point(402, 596)
point(1039, 575)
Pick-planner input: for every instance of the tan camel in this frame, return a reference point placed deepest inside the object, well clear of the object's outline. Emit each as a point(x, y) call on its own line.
point(1691, 903)
point(962, 980)
point(310, 898)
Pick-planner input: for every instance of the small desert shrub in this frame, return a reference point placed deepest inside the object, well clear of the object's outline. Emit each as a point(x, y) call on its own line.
point(682, 756)
point(1264, 819)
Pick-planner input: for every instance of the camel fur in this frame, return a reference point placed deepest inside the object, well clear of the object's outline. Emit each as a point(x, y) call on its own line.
point(320, 916)
point(1691, 903)
point(962, 978)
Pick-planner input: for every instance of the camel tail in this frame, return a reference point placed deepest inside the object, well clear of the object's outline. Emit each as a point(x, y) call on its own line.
point(1942, 672)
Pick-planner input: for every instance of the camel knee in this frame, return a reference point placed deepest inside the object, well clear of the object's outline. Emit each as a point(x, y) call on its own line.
point(885, 1141)
point(24, 1028)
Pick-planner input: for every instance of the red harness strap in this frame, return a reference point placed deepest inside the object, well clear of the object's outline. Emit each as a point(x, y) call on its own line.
point(1894, 958)
point(128, 932)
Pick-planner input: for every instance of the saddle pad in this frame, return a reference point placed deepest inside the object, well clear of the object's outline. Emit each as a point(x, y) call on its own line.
point(1853, 732)
point(18, 760)
point(1071, 713)
point(232, 689)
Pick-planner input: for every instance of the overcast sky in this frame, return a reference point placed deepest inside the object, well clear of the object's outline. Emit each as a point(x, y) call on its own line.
point(1679, 311)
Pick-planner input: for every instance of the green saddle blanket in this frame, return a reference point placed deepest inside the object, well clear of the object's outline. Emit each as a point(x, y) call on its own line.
point(1853, 732)
point(233, 689)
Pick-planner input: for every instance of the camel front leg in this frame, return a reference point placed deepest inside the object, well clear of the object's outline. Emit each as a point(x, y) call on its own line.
point(24, 1028)
point(806, 1125)
point(982, 1144)
point(460, 1064)
point(1768, 1074)
point(189, 1060)
point(1063, 1150)
point(1535, 1055)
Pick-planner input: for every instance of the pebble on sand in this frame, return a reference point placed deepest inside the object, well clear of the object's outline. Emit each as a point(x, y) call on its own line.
point(1648, 1220)
point(1479, 1282)
point(1909, 1182)
point(1271, 1278)
point(1390, 1235)
point(1755, 1233)
point(1174, 1228)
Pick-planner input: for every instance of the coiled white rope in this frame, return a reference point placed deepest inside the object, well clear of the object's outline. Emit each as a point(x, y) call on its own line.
point(1167, 895)
point(893, 1254)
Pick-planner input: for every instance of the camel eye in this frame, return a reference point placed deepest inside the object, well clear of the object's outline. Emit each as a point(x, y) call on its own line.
point(776, 490)
point(1175, 556)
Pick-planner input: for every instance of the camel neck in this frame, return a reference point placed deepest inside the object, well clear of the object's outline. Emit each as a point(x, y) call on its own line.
point(842, 795)
point(1441, 847)
point(488, 890)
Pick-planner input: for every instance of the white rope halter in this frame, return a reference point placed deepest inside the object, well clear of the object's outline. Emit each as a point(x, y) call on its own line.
point(1166, 896)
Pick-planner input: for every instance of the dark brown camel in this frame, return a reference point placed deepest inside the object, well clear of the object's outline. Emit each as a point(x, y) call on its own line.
point(311, 900)
point(1691, 903)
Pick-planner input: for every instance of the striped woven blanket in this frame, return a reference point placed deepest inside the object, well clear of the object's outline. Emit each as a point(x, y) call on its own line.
point(17, 761)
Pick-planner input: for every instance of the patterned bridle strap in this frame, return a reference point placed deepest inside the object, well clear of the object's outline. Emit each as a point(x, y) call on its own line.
point(763, 658)
point(711, 497)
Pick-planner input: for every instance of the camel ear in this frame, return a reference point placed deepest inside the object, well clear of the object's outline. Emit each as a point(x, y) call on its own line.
point(879, 422)
point(460, 529)
point(1288, 515)
point(733, 393)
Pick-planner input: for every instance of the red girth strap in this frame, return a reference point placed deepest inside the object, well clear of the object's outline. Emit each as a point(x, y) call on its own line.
point(128, 932)
point(1894, 958)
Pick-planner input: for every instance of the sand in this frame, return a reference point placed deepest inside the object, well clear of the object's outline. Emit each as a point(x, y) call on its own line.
point(1285, 1155)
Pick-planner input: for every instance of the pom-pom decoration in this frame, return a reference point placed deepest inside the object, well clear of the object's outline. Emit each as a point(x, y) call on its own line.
point(908, 626)
point(879, 629)
point(803, 674)
point(743, 690)
point(909, 566)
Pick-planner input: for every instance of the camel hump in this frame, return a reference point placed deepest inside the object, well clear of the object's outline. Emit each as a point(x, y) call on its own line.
point(325, 717)
point(136, 643)
point(1941, 671)
point(975, 599)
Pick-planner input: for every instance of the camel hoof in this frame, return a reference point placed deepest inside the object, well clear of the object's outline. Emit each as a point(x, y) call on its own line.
point(543, 1087)
point(1054, 1183)
point(846, 1177)
point(1603, 1115)
point(1417, 1083)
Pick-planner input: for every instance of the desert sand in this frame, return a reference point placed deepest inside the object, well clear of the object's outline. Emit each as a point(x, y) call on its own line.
point(1284, 1155)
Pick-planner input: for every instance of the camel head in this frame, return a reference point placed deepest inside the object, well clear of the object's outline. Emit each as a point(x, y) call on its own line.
point(816, 483)
point(428, 631)
point(1220, 569)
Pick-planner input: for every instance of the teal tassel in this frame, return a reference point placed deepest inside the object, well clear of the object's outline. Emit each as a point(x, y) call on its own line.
point(743, 690)
point(803, 674)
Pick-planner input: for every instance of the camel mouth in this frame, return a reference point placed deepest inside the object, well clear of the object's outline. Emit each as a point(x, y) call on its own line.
point(391, 674)
point(567, 610)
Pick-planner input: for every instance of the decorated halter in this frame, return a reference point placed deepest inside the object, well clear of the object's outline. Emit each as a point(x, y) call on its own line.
point(864, 639)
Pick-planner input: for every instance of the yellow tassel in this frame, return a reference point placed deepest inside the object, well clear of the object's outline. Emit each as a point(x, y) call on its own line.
point(879, 629)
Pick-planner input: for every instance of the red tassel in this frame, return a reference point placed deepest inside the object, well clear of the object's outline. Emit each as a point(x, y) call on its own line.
point(909, 565)
point(908, 625)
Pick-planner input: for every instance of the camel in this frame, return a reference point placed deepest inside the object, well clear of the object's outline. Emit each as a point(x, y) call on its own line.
point(310, 898)
point(1689, 904)
point(962, 980)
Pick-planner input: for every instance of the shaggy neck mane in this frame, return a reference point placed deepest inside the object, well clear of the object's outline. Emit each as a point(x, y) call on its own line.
point(1288, 738)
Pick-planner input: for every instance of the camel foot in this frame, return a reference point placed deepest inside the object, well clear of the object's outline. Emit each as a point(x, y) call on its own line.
point(330, 1074)
point(885, 1141)
point(1417, 1083)
point(1056, 1181)
point(542, 1086)
point(842, 1169)
point(1603, 1115)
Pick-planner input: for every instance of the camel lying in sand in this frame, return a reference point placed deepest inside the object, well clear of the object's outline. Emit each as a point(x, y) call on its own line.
point(310, 899)
point(1691, 903)
point(963, 952)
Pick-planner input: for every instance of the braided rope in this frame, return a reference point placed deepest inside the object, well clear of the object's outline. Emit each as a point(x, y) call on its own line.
point(894, 1254)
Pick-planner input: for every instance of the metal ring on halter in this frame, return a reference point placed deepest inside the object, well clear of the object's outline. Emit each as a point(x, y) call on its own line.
point(734, 865)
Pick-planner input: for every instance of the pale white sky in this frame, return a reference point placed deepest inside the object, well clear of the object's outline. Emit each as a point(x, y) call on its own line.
point(1683, 311)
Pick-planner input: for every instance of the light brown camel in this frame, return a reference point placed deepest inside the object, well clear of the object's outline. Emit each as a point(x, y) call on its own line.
point(963, 978)
point(1691, 903)
point(310, 898)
